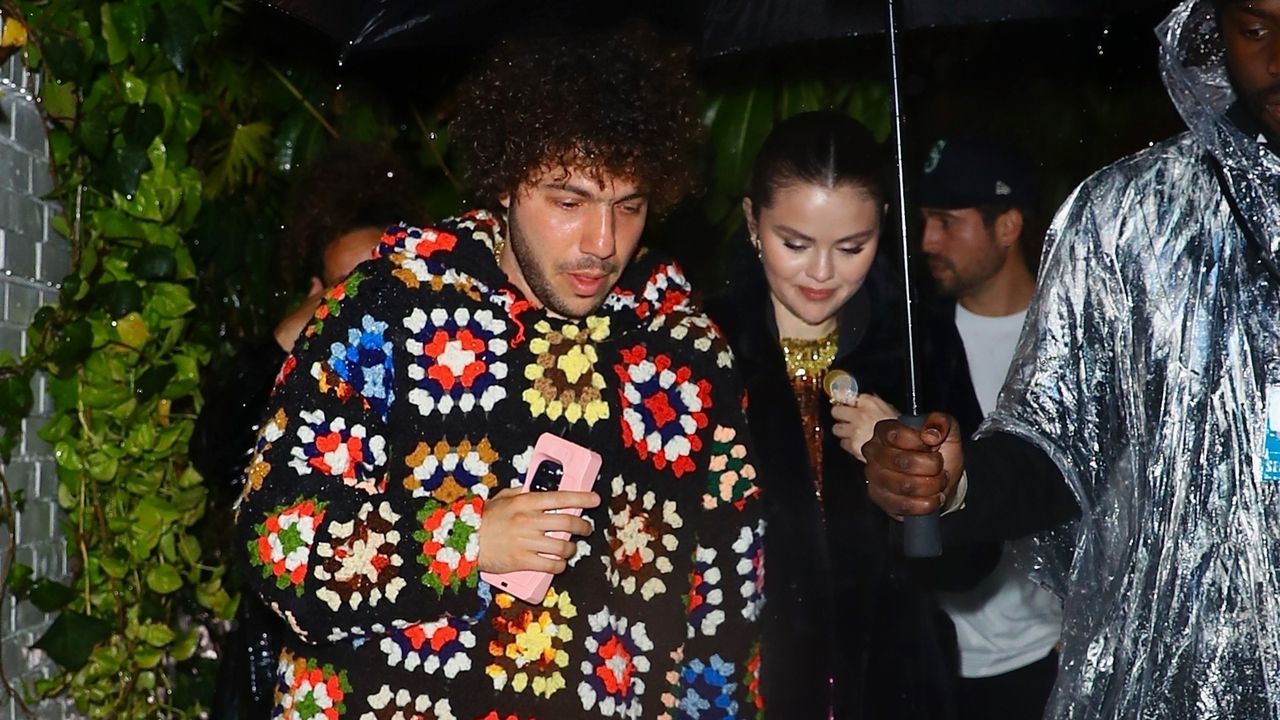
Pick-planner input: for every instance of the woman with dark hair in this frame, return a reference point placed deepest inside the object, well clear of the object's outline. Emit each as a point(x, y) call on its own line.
point(848, 634)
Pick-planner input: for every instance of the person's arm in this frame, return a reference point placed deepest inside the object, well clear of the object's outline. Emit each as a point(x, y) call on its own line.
point(223, 437)
point(1013, 490)
point(330, 549)
point(720, 660)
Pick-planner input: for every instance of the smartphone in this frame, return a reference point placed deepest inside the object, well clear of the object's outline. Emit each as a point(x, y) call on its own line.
point(556, 464)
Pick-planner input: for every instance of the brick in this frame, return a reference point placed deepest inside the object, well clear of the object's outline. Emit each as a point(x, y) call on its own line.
point(46, 477)
point(19, 252)
point(23, 475)
point(12, 339)
point(29, 616)
point(54, 261)
point(32, 445)
point(34, 523)
point(23, 213)
point(15, 70)
point(41, 177)
point(15, 170)
point(28, 127)
point(20, 303)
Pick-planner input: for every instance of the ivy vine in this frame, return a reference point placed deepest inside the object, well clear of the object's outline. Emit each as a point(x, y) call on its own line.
point(169, 149)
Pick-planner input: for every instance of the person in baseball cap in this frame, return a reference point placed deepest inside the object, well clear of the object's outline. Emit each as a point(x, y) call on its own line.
point(976, 198)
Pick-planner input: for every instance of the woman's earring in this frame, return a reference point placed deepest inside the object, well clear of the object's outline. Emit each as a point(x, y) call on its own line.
point(755, 241)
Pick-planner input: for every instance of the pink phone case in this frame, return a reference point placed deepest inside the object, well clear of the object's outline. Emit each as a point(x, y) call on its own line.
point(580, 467)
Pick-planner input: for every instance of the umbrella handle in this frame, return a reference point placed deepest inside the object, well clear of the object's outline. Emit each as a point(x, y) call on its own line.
point(920, 535)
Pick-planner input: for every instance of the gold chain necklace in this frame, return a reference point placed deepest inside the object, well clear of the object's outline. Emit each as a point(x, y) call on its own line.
point(809, 358)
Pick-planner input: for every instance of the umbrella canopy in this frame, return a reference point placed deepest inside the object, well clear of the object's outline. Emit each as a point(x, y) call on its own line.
point(718, 26)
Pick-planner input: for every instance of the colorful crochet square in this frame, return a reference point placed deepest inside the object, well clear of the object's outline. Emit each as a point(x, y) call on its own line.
point(448, 472)
point(330, 306)
point(450, 544)
point(359, 564)
point(749, 548)
point(730, 478)
point(283, 546)
point(666, 291)
point(528, 645)
point(258, 469)
point(331, 448)
point(364, 363)
point(417, 241)
point(286, 369)
point(456, 359)
point(616, 666)
point(308, 691)
point(706, 595)
point(705, 335)
point(751, 676)
point(663, 408)
point(442, 646)
point(404, 705)
point(565, 381)
point(642, 536)
point(704, 690)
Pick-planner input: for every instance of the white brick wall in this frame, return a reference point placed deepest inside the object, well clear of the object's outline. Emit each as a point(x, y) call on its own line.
point(33, 261)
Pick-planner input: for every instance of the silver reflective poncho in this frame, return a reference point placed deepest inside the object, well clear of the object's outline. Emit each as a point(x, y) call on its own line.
point(1143, 373)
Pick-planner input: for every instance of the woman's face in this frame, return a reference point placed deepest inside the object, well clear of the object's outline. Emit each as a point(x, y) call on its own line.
point(817, 245)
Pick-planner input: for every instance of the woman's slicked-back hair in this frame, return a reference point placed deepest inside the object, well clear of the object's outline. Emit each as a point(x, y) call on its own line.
point(823, 148)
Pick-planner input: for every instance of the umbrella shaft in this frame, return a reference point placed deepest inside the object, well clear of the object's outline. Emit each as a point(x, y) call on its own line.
point(898, 124)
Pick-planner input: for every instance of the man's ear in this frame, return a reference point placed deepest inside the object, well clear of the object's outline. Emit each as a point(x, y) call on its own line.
point(1009, 227)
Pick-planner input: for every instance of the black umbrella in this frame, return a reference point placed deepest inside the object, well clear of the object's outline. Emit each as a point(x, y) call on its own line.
point(718, 26)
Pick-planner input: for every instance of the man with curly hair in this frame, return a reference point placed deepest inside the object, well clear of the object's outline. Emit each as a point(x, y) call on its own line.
point(376, 494)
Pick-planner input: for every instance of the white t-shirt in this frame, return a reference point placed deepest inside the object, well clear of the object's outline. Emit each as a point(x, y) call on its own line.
point(1008, 621)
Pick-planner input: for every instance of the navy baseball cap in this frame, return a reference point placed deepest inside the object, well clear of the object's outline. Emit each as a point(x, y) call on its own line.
point(966, 173)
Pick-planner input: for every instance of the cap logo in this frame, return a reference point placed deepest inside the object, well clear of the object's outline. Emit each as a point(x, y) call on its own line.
point(935, 156)
point(1002, 188)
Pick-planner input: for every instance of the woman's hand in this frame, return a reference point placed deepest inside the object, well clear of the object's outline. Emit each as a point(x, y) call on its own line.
point(856, 423)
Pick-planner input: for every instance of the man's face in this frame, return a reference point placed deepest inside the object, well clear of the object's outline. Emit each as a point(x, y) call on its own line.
point(1251, 32)
point(571, 237)
point(963, 253)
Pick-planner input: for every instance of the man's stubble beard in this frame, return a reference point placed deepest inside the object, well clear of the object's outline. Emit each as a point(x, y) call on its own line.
point(537, 281)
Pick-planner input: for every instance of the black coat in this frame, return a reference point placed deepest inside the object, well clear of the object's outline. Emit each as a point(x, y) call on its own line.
point(842, 602)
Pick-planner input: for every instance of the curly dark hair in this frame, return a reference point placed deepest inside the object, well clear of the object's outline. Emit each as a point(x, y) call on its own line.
point(350, 187)
point(620, 104)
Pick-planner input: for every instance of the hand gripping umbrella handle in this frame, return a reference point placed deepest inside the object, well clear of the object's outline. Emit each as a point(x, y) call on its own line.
point(920, 535)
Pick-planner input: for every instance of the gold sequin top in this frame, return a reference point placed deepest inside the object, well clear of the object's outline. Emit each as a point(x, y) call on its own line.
point(807, 361)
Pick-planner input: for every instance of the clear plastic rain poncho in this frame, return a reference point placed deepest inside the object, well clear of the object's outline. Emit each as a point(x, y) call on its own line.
point(1144, 371)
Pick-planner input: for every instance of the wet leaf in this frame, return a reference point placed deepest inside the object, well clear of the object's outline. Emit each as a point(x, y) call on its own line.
point(163, 579)
point(71, 638)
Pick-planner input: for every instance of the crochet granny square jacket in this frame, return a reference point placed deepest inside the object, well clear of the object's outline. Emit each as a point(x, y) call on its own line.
point(416, 393)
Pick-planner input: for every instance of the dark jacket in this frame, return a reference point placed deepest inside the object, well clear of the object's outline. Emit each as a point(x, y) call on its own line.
point(842, 602)
point(220, 447)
